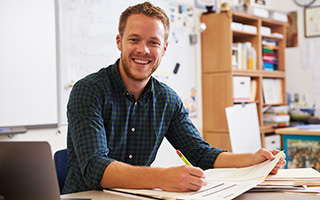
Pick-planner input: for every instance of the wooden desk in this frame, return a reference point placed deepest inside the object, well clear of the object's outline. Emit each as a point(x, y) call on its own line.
point(282, 175)
point(298, 173)
point(100, 195)
point(297, 131)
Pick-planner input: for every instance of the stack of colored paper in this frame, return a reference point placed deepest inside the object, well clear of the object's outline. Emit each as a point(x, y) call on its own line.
point(277, 116)
point(270, 54)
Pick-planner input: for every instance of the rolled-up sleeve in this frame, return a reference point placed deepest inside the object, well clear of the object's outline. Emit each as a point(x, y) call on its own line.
point(183, 135)
point(88, 151)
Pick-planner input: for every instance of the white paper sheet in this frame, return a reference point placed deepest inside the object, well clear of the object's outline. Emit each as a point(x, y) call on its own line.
point(224, 183)
point(244, 128)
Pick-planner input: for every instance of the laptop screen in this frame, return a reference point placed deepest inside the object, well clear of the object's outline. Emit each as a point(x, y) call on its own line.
point(27, 172)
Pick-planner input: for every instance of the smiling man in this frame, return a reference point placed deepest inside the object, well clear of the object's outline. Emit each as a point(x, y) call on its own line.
point(142, 43)
point(119, 116)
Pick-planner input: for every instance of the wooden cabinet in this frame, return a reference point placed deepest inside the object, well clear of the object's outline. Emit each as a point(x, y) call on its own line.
point(218, 72)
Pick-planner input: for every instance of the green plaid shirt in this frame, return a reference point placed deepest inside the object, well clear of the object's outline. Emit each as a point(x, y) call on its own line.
point(106, 123)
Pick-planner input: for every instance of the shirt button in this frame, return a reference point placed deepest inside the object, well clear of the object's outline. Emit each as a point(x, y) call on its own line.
point(133, 129)
point(127, 93)
point(130, 156)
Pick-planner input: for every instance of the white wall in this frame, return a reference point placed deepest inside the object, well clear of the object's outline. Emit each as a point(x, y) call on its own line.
point(298, 81)
point(57, 136)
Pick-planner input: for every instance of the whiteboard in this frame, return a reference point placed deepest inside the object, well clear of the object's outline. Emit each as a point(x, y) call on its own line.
point(28, 78)
point(87, 42)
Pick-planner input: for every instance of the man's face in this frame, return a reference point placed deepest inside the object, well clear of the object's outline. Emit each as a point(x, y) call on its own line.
point(142, 47)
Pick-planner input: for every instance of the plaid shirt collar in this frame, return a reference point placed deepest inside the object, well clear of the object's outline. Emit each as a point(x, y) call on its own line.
point(149, 89)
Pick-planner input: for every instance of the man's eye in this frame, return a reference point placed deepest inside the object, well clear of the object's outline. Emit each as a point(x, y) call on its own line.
point(154, 43)
point(133, 40)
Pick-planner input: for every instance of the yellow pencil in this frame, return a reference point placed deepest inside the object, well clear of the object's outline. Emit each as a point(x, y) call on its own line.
point(183, 158)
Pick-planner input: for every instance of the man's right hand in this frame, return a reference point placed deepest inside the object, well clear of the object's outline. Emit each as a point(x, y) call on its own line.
point(182, 179)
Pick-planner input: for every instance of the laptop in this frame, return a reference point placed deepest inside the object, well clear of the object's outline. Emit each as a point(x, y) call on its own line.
point(27, 172)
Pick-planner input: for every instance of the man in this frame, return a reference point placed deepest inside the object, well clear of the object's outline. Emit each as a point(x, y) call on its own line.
point(119, 116)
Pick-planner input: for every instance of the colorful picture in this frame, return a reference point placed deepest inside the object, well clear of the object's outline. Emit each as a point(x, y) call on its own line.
point(303, 153)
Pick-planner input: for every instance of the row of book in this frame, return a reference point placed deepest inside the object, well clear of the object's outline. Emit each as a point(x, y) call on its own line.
point(277, 116)
point(270, 56)
point(244, 56)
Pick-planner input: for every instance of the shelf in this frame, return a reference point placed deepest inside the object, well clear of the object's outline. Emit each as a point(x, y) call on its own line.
point(273, 74)
point(217, 70)
point(273, 104)
point(267, 129)
point(243, 18)
point(242, 72)
point(272, 23)
point(243, 34)
point(251, 73)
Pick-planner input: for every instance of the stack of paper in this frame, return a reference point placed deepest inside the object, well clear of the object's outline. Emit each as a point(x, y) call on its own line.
point(270, 54)
point(277, 116)
point(223, 183)
point(303, 180)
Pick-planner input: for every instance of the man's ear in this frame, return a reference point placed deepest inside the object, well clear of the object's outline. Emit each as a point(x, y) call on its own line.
point(165, 48)
point(118, 39)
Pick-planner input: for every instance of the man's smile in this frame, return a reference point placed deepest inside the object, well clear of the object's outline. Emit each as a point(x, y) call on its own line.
point(140, 61)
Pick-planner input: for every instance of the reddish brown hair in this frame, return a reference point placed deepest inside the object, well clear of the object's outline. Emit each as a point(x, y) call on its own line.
point(147, 9)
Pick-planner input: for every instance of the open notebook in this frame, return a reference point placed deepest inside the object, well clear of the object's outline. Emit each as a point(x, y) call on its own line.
point(223, 183)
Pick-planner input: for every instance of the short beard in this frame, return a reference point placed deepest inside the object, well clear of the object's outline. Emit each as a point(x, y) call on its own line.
point(130, 75)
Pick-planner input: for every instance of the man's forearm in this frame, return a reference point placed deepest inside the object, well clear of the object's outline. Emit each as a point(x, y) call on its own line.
point(230, 160)
point(122, 175)
point(182, 178)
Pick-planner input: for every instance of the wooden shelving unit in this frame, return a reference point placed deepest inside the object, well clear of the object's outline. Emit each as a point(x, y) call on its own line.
point(217, 70)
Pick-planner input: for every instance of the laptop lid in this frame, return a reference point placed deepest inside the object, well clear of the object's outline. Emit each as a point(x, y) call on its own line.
point(27, 172)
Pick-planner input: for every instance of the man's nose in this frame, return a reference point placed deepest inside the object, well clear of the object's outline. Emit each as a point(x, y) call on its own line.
point(143, 48)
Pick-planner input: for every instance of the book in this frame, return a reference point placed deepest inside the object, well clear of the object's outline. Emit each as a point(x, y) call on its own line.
point(236, 55)
point(277, 116)
point(273, 117)
point(278, 109)
point(244, 56)
point(253, 90)
point(272, 90)
point(223, 183)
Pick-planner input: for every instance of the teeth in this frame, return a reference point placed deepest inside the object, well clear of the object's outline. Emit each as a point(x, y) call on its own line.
point(141, 61)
